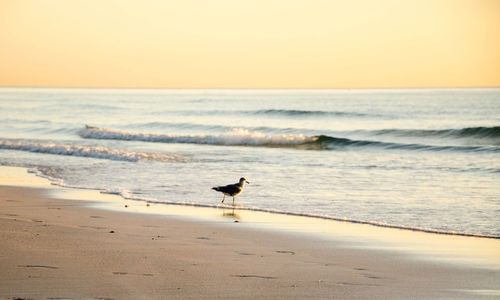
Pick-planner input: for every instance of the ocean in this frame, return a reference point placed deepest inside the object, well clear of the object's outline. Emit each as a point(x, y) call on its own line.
point(423, 159)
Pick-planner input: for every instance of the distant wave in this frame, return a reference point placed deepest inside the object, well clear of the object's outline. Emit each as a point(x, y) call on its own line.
point(468, 132)
point(181, 126)
point(294, 112)
point(85, 151)
point(275, 112)
point(85, 106)
point(245, 137)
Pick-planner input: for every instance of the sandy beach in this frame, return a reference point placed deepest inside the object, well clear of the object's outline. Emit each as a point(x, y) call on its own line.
point(249, 149)
point(54, 248)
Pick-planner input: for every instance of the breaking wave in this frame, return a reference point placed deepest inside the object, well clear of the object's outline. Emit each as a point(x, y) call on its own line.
point(85, 151)
point(245, 137)
point(237, 136)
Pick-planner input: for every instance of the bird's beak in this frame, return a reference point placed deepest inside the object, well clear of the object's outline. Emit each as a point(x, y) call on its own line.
point(247, 181)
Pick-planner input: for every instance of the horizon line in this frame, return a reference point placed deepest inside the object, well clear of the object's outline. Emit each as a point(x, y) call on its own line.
point(247, 88)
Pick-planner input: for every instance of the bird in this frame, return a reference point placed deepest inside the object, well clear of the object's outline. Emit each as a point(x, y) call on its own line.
point(232, 190)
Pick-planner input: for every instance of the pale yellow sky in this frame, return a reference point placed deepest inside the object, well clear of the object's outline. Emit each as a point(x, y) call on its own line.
point(250, 43)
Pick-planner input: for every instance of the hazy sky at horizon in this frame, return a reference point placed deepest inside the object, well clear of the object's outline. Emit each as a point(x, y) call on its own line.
point(250, 43)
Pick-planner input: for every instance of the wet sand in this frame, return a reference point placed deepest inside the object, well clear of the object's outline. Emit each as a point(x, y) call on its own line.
point(53, 248)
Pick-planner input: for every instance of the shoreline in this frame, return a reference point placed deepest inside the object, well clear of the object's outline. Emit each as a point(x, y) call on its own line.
point(421, 244)
point(57, 245)
point(273, 212)
point(306, 215)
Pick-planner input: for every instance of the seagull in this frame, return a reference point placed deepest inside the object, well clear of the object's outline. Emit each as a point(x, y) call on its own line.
point(232, 190)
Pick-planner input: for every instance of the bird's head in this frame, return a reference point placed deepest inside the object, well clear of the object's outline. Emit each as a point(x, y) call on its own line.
point(243, 180)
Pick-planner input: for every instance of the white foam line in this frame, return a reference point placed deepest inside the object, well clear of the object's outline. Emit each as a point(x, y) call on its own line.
point(237, 136)
point(85, 151)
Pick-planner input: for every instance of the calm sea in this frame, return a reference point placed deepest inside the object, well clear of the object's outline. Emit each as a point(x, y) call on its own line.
point(420, 159)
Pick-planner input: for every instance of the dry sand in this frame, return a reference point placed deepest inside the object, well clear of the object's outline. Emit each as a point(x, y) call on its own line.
point(54, 248)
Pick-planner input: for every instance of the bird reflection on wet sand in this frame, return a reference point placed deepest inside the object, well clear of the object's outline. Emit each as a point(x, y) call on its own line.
point(231, 213)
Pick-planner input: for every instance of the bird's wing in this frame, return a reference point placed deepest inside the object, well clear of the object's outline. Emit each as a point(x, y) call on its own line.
point(230, 189)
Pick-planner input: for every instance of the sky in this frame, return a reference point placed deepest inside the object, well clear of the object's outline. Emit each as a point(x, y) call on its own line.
point(250, 43)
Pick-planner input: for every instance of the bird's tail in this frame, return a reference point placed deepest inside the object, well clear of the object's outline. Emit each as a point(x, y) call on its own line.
point(216, 189)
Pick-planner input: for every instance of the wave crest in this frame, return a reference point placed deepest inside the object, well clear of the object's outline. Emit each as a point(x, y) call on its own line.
point(328, 142)
point(468, 132)
point(237, 136)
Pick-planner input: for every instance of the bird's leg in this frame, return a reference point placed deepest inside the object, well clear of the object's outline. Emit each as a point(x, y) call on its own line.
point(233, 200)
point(223, 198)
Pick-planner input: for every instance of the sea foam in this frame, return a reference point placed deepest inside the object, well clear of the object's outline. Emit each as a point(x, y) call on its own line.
point(237, 136)
point(85, 151)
